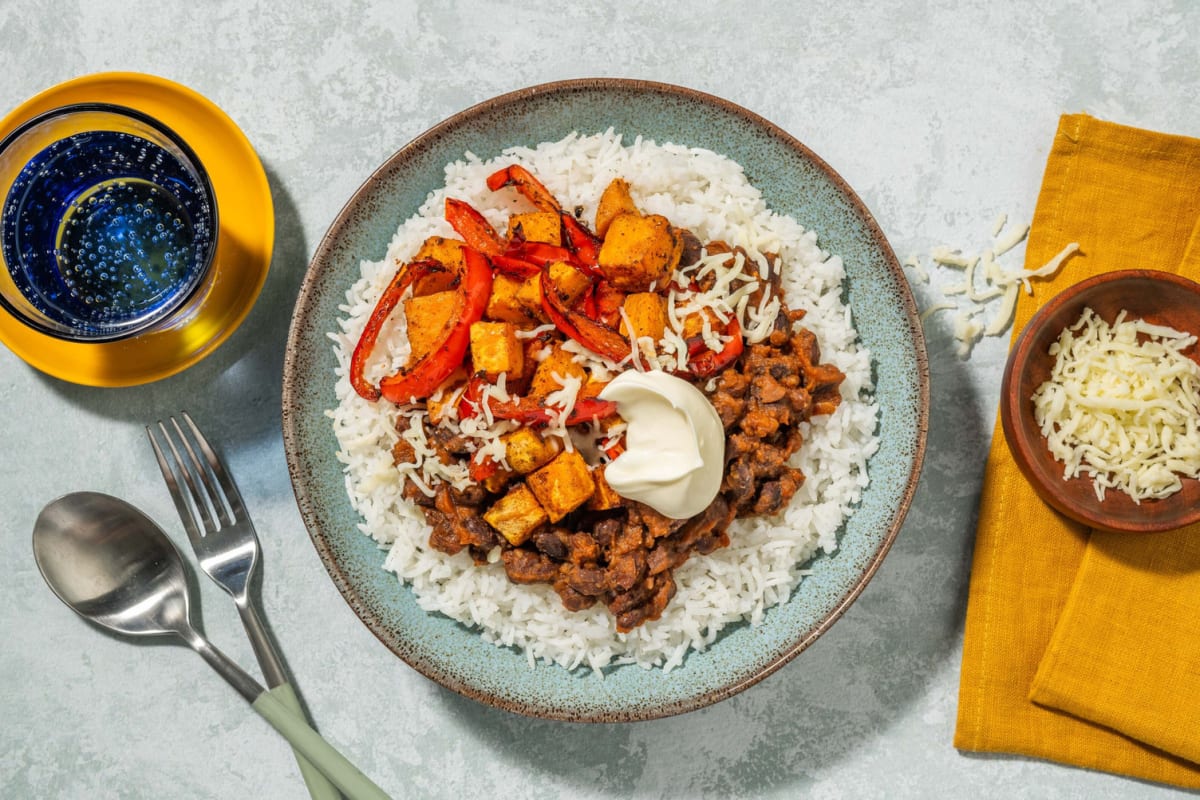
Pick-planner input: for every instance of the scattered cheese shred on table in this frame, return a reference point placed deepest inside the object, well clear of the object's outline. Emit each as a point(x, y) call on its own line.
point(984, 280)
point(1123, 406)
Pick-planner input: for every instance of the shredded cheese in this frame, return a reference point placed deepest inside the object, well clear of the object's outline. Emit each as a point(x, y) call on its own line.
point(1123, 406)
point(989, 291)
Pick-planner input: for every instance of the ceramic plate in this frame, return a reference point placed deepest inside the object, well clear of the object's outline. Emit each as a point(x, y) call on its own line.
point(794, 181)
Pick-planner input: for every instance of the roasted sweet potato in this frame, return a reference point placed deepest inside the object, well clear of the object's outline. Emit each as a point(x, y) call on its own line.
point(693, 324)
point(569, 282)
point(647, 313)
point(516, 515)
point(537, 226)
point(448, 253)
point(559, 362)
point(563, 485)
point(495, 349)
point(604, 497)
point(613, 201)
point(427, 318)
point(527, 450)
point(640, 252)
point(440, 402)
point(508, 304)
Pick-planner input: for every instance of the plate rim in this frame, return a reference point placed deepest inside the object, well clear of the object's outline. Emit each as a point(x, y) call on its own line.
point(290, 422)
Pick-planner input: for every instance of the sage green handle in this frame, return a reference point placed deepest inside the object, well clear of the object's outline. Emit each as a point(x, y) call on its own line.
point(319, 752)
point(319, 787)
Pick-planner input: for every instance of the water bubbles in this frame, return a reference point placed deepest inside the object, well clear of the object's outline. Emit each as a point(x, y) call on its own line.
point(101, 233)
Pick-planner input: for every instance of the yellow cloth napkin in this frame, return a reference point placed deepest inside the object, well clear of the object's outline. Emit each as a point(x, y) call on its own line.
point(1082, 647)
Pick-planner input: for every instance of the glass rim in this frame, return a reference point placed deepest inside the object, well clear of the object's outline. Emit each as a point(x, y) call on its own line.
point(193, 161)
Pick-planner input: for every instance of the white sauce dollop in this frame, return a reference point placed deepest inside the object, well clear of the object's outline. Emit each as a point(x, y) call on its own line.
point(674, 455)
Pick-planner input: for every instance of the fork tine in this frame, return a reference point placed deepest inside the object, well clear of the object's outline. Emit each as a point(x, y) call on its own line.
point(185, 513)
point(195, 468)
point(197, 494)
point(232, 495)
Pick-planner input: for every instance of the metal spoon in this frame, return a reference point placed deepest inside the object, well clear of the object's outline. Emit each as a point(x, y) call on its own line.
point(114, 566)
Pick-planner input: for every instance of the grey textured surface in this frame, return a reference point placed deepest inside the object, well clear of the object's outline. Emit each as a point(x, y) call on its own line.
point(939, 114)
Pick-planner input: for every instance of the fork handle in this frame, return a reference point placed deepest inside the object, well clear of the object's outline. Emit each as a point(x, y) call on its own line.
point(319, 787)
point(260, 642)
point(319, 752)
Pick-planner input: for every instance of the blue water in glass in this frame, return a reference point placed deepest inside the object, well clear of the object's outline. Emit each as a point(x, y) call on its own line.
point(102, 229)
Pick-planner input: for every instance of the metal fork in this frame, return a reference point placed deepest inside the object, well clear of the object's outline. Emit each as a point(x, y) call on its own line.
point(227, 549)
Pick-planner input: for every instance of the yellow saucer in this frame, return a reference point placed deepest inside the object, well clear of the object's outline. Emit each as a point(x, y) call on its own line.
point(245, 236)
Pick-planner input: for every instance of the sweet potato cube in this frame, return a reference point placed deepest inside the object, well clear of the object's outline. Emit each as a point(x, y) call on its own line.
point(639, 252)
point(495, 348)
point(427, 318)
point(440, 402)
point(537, 226)
point(496, 482)
point(516, 515)
point(448, 253)
point(647, 313)
point(613, 201)
point(592, 388)
point(507, 305)
point(559, 362)
point(693, 324)
point(563, 485)
point(529, 296)
point(604, 497)
point(527, 450)
point(569, 282)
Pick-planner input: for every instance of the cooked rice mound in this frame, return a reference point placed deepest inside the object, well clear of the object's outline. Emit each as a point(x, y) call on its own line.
point(710, 195)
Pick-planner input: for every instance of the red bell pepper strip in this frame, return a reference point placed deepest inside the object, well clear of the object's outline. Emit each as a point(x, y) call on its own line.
point(400, 282)
point(526, 184)
point(595, 336)
point(516, 267)
point(431, 370)
point(583, 243)
point(476, 231)
point(480, 471)
point(540, 253)
point(711, 361)
point(530, 411)
point(468, 402)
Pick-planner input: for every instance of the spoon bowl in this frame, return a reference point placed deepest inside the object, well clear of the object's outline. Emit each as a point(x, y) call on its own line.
point(112, 564)
point(115, 566)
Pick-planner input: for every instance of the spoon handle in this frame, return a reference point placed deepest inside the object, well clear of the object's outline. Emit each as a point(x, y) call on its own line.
point(304, 740)
point(344, 775)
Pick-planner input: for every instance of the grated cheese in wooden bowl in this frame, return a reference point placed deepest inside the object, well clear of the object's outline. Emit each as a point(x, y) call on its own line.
point(1122, 405)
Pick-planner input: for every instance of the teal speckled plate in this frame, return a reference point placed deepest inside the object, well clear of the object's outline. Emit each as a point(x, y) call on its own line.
point(794, 181)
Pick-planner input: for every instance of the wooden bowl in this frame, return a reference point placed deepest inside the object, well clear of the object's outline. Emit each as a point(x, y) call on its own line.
point(1158, 297)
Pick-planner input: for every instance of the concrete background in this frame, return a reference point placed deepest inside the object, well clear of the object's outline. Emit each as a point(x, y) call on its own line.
point(939, 114)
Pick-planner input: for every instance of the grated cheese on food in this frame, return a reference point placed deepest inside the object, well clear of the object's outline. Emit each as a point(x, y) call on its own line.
point(1123, 406)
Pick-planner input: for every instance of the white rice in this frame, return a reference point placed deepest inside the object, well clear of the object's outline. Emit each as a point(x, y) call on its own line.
point(709, 194)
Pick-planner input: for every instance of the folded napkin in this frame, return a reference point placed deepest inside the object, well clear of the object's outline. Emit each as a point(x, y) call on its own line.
point(1083, 647)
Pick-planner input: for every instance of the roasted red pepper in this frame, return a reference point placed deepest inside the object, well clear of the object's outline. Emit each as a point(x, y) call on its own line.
point(710, 361)
point(516, 267)
point(481, 470)
point(400, 282)
point(526, 184)
point(584, 244)
point(595, 336)
point(476, 231)
point(540, 253)
point(530, 411)
point(431, 370)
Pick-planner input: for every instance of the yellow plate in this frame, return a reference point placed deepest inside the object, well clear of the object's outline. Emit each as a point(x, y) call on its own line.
point(245, 236)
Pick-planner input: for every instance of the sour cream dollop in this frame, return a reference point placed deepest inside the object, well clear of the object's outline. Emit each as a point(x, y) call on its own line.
point(674, 455)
